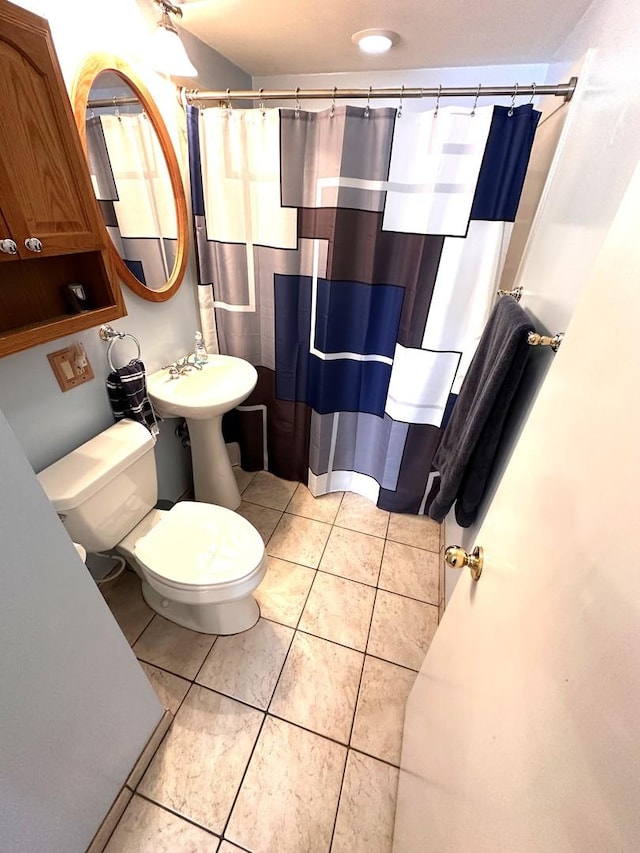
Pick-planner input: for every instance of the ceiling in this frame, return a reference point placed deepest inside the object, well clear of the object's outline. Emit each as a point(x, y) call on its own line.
point(265, 37)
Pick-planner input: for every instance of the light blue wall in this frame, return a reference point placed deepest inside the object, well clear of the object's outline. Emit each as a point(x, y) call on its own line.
point(76, 708)
point(48, 422)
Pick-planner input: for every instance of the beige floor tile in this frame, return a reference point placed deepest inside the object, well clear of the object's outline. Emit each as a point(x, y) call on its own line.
point(124, 599)
point(263, 518)
point(402, 629)
point(410, 571)
point(246, 666)
point(283, 591)
point(170, 689)
point(173, 647)
point(199, 766)
point(359, 513)
point(267, 490)
point(417, 530)
point(353, 555)
point(384, 689)
point(367, 807)
point(146, 828)
point(243, 478)
point(288, 800)
point(299, 540)
point(340, 610)
point(225, 847)
point(318, 687)
point(323, 508)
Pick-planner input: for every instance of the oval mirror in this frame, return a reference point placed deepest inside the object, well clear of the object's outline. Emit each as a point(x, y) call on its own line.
point(135, 176)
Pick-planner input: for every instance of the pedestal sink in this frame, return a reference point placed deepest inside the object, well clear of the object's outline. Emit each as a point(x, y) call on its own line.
point(202, 397)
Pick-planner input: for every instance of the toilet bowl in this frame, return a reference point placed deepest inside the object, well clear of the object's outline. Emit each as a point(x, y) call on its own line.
point(199, 563)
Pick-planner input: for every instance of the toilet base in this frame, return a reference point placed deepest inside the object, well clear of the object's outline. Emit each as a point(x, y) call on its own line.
point(229, 617)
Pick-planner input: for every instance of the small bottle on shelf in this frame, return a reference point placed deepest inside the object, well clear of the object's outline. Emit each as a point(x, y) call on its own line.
point(201, 356)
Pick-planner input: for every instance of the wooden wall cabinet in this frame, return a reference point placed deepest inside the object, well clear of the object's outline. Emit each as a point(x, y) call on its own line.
point(51, 232)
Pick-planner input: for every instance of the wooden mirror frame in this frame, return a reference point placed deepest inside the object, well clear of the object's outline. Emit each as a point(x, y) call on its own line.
point(84, 79)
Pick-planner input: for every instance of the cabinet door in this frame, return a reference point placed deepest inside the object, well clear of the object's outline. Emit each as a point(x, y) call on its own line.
point(8, 251)
point(45, 192)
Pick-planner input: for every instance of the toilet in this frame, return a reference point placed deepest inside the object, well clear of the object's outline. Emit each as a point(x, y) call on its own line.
point(199, 563)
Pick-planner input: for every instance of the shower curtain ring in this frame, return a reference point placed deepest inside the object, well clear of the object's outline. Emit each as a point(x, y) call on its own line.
point(229, 107)
point(367, 109)
point(116, 111)
point(332, 112)
point(475, 103)
point(401, 97)
point(297, 111)
point(533, 93)
point(261, 104)
point(513, 100)
point(435, 114)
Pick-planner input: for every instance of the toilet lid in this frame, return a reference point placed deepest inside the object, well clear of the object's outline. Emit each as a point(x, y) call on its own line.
point(201, 544)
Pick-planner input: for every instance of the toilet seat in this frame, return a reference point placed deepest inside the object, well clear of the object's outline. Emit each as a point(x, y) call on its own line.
point(200, 546)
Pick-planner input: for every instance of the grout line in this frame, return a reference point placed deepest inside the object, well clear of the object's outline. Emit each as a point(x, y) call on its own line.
point(340, 743)
point(235, 844)
point(264, 506)
point(152, 759)
point(404, 595)
point(164, 669)
point(364, 532)
point(355, 711)
point(393, 663)
point(233, 698)
point(132, 644)
point(177, 814)
point(375, 757)
point(293, 636)
point(345, 578)
point(327, 640)
point(244, 774)
point(206, 657)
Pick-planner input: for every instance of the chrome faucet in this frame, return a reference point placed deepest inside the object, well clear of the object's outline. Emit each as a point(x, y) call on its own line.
point(182, 366)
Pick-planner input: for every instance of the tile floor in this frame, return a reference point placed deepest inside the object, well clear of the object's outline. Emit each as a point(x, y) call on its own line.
point(286, 738)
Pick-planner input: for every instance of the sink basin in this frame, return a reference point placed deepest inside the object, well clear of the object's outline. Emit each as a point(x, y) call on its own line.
point(222, 383)
point(202, 397)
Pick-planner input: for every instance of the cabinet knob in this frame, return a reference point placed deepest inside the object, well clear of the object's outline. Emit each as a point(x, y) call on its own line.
point(33, 244)
point(8, 247)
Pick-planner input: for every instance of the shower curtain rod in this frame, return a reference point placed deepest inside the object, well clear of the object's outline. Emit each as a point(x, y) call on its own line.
point(201, 98)
point(112, 102)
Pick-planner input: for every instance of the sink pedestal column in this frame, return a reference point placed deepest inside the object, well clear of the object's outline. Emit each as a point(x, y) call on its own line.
point(213, 479)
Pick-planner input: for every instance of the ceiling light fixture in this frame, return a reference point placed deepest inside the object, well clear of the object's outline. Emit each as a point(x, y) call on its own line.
point(168, 53)
point(375, 41)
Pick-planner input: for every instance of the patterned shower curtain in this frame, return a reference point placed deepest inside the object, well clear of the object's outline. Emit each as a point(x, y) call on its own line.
point(131, 182)
point(352, 256)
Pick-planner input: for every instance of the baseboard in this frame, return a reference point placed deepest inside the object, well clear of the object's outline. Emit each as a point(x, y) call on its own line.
point(106, 828)
point(108, 825)
point(149, 751)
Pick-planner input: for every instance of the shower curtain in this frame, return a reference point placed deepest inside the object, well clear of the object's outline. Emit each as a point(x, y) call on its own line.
point(132, 185)
point(352, 255)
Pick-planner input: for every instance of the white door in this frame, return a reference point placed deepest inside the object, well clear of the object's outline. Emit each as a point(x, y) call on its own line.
point(522, 732)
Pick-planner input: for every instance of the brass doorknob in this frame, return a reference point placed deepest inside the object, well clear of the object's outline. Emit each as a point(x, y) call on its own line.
point(457, 558)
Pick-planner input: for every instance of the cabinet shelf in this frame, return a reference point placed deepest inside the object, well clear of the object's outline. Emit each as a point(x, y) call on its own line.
point(33, 334)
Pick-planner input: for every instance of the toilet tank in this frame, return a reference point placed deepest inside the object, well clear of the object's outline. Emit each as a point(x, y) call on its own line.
point(104, 488)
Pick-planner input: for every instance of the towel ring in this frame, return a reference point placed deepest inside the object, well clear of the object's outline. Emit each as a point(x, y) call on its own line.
point(108, 333)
